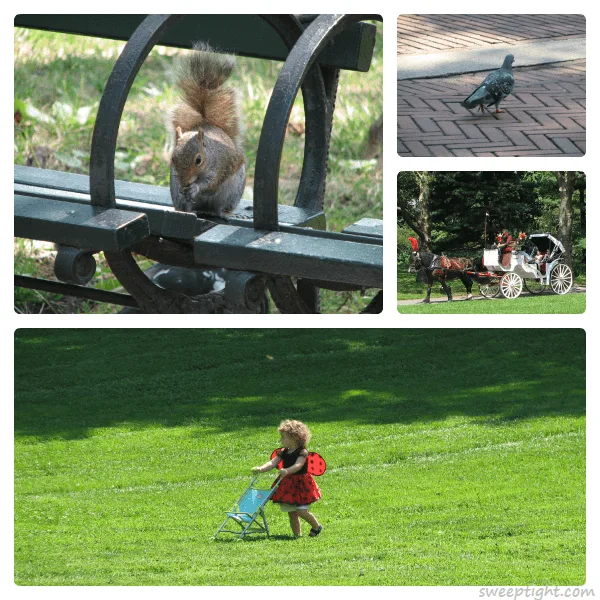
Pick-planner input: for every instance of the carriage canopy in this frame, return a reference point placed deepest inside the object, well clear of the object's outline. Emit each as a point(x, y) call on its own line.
point(546, 241)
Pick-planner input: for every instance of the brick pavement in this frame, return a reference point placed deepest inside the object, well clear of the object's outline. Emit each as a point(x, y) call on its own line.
point(545, 115)
point(422, 34)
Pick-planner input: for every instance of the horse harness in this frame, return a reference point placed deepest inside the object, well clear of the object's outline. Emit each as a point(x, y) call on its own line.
point(442, 263)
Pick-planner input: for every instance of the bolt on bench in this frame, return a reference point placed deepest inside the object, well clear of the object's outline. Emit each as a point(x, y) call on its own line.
point(263, 245)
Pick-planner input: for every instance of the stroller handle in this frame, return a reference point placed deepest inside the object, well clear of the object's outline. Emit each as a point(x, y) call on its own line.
point(275, 485)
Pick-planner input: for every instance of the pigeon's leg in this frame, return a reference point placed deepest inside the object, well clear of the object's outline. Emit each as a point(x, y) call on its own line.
point(486, 110)
point(498, 108)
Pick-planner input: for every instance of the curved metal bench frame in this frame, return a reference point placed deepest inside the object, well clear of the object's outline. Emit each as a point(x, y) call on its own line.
point(299, 71)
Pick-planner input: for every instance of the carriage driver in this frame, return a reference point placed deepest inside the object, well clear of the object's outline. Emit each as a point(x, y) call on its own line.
point(505, 246)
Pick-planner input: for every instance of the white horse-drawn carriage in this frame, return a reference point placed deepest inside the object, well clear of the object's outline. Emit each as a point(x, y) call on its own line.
point(540, 267)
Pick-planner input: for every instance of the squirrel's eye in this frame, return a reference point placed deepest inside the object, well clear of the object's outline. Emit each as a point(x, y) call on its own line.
point(198, 160)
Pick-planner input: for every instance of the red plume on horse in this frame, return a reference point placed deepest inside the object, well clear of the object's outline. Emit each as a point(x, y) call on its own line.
point(430, 267)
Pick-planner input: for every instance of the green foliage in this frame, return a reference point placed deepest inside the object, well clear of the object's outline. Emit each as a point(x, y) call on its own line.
point(579, 257)
point(408, 187)
point(404, 249)
point(129, 447)
point(464, 200)
point(460, 199)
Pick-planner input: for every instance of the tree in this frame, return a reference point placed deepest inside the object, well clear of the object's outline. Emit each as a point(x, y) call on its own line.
point(566, 186)
point(460, 200)
point(414, 190)
point(580, 185)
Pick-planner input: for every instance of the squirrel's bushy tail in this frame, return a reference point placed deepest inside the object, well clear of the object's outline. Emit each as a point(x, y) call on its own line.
point(206, 100)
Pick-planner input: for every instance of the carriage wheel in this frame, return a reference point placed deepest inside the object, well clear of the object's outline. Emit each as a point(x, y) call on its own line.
point(511, 286)
point(534, 286)
point(490, 289)
point(561, 279)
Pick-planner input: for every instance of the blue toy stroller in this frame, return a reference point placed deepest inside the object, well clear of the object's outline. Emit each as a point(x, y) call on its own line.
point(249, 508)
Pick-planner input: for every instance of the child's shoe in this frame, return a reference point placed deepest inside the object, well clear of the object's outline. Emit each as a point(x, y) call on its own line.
point(315, 532)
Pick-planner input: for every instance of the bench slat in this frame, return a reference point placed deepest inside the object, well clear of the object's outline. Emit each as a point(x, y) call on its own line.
point(74, 182)
point(78, 225)
point(154, 200)
point(368, 227)
point(162, 221)
point(292, 254)
point(245, 35)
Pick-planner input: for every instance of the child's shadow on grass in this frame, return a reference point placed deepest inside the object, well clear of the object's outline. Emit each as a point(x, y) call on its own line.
point(255, 539)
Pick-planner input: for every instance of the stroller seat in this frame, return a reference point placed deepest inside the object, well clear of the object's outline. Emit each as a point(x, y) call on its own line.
point(248, 512)
point(239, 517)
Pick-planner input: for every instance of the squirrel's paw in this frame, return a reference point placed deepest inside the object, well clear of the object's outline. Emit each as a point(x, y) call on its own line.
point(193, 190)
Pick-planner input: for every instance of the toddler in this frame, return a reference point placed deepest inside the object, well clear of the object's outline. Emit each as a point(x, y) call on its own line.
point(297, 487)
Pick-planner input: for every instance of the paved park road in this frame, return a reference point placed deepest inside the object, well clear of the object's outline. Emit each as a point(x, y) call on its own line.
point(463, 298)
point(443, 58)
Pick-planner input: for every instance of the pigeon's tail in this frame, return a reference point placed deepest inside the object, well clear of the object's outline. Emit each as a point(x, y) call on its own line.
point(478, 97)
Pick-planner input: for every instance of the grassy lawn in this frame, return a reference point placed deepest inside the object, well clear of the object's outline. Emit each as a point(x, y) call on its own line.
point(59, 80)
point(130, 444)
point(546, 303)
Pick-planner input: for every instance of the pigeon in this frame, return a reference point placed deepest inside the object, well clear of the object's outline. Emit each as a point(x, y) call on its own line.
point(495, 87)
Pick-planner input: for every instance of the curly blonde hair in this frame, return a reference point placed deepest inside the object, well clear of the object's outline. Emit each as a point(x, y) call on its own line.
point(296, 429)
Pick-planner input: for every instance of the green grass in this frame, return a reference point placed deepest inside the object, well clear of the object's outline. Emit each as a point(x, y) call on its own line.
point(59, 80)
point(547, 303)
point(453, 459)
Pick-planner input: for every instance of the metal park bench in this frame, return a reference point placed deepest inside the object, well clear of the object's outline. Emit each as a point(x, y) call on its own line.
point(262, 246)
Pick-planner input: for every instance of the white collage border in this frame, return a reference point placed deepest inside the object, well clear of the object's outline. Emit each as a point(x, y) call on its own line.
point(390, 317)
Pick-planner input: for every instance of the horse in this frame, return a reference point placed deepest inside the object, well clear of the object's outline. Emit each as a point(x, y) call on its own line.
point(430, 267)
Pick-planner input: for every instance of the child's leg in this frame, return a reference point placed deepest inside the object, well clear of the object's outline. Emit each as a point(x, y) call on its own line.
point(309, 518)
point(294, 522)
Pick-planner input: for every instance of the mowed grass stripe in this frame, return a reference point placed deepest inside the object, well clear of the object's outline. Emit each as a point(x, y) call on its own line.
point(225, 482)
point(392, 460)
point(181, 459)
point(455, 457)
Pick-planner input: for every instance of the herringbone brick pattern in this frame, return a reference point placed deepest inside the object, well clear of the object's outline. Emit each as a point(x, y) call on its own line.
point(422, 34)
point(545, 115)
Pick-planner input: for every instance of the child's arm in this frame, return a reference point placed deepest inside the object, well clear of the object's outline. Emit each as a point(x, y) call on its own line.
point(268, 465)
point(296, 466)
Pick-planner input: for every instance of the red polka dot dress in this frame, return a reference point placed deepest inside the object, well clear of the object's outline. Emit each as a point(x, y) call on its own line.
point(300, 488)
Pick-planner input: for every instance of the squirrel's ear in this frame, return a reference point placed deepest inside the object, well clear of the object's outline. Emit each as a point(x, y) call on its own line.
point(200, 136)
point(179, 133)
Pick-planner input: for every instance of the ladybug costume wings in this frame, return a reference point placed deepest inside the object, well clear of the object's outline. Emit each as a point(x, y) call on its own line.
point(315, 462)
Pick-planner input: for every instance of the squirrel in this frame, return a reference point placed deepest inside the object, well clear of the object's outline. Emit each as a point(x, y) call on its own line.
point(208, 166)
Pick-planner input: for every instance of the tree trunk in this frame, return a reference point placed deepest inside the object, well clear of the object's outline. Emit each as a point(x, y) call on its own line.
point(581, 190)
point(566, 186)
point(424, 178)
